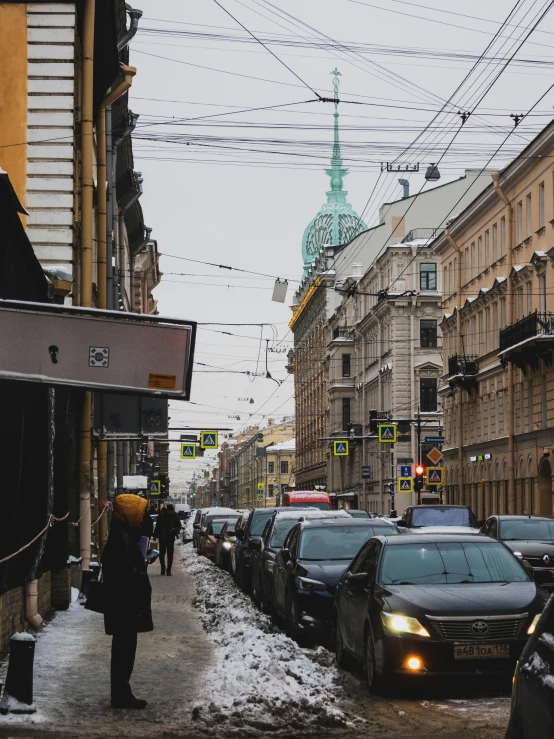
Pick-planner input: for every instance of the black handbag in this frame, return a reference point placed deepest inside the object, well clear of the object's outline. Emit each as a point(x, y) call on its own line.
point(96, 596)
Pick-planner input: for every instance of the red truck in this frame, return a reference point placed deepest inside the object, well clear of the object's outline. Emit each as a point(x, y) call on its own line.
point(303, 498)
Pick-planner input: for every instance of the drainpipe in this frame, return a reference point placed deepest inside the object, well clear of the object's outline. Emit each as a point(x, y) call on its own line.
point(509, 320)
point(32, 615)
point(101, 151)
point(109, 209)
point(459, 350)
point(134, 15)
point(121, 89)
point(87, 194)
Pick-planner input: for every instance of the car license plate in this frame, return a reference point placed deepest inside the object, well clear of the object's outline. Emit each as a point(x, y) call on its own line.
point(481, 651)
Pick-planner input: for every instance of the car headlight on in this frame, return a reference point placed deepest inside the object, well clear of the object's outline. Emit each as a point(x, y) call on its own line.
point(534, 622)
point(270, 566)
point(305, 583)
point(403, 624)
point(227, 545)
point(519, 555)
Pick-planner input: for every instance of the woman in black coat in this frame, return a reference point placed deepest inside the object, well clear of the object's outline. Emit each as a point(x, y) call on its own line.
point(127, 590)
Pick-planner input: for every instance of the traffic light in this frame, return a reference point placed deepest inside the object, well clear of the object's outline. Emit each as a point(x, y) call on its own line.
point(419, 477)
point(373, 422)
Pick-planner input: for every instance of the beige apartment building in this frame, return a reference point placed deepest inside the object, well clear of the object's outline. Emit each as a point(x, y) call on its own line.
point(385, 355)
point(498, 336)
point(280, 468)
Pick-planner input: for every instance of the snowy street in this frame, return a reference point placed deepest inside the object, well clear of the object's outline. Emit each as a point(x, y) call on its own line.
point(215, 666)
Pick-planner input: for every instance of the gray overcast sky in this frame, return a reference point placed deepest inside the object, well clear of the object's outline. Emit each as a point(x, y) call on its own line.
point(239, 188)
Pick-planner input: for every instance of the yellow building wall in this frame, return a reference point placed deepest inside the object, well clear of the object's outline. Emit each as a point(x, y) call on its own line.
point(13, 94)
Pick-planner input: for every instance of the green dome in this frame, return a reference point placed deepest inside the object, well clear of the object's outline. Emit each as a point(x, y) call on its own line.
point(337, 222)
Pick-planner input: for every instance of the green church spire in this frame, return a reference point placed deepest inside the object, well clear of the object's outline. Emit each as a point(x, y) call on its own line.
point(336, 223)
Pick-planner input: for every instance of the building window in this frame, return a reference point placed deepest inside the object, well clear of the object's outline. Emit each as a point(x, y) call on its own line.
point(428, 333)
point(480, 254)
point(541, 205)
point(487, 249)
point(284, 468)
point(502, 236)
point(346, 365)
point(494, 242)
point(466, 274)
point(271, 468)
point(428, 276)
point(520, 222)
point(473, 267)
point(345, 413)
point(542, 292)
point(529, 216)
point(428, 394)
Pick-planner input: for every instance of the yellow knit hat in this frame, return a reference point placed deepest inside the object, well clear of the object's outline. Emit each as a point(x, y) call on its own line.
point(130, 509)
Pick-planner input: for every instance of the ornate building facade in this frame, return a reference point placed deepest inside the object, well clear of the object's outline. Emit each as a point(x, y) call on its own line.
point(498, 336)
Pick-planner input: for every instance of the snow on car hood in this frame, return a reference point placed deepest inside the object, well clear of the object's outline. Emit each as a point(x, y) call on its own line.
point(441, 530)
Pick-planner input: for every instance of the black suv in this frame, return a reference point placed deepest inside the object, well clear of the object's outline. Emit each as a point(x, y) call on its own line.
point(248, 539)
point(262, 561)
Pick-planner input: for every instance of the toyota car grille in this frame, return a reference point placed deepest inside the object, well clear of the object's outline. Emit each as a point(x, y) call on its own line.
point(469, 628)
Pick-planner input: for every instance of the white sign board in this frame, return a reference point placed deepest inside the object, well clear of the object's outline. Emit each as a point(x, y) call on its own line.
point(135, 482)
point(96, 349)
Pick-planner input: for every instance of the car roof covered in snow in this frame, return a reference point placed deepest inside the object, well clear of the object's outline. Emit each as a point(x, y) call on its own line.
point(345, 521)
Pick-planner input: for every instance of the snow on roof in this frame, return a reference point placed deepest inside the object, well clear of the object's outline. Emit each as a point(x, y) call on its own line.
point(284, 446)
point(518, 267)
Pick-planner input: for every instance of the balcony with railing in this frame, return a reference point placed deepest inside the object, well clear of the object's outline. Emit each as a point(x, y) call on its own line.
point(462, 371)
point(528, 340)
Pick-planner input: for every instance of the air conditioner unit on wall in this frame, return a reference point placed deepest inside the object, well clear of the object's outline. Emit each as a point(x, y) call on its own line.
point(96, 349)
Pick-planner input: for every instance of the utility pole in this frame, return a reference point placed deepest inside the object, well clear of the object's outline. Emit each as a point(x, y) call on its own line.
point(418, 431)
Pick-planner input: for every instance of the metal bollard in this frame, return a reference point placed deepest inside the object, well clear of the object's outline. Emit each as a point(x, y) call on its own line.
point(18, 693)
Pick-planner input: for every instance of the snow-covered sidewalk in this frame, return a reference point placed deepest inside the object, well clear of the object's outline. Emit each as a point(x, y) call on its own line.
point(261, 677)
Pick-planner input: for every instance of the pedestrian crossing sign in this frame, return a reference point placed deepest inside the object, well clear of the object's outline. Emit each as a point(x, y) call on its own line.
point(340, 448)
point(155, 487)
point(261, 493)
point(188, 451)
point(209, 440)
point(405, 485)
point(387, 432)
point(435, 475)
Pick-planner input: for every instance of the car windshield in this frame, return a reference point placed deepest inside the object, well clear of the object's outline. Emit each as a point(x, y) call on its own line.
point(280, 531)
point(213, 517)
point(441, 516)
point(358, 514)
point(336, 542)
point(450, 562)
point(259, 521)
point(216, 528)
point(527, 529)
point(321, 506)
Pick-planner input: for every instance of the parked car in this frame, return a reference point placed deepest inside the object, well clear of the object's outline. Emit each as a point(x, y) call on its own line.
point(240, 526)
point(532, 712)
point(357, 512)
point(196, 525)
point(530, 538)
point(210, 515)
point(248, 539)
point(308, 567)
point(435, 605)
point(262, 561)
point(224, 544)
point(439, 519)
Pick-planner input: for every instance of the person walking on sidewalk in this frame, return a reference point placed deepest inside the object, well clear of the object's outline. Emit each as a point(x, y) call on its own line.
point(127, 589)
point(167, 528)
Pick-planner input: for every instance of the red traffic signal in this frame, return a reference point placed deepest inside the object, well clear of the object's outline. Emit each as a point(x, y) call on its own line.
point(419, 470)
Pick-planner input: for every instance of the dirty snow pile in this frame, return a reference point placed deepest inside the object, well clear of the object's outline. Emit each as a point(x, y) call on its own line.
point(261, 677)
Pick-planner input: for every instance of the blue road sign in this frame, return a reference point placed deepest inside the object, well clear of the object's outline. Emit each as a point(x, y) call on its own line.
point(366, 472)
point(387, 432)
point(340, 448)
point(405, 470)
point(433, 439)
point(209, 440)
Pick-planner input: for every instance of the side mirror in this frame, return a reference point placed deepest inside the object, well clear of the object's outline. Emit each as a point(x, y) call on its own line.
point(256, 544)
point(239, 534)
point(528, 569)
point(359, 580)
point(285, 554)
point(195, 525)
point(402, 522)
point(481, 522)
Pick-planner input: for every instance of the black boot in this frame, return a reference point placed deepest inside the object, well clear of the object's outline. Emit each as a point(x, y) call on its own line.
point(128, 700)
point(169, 570)
point(163, 569)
